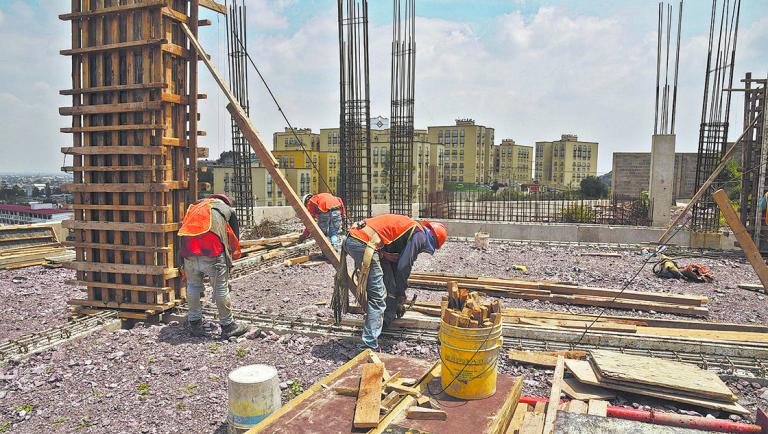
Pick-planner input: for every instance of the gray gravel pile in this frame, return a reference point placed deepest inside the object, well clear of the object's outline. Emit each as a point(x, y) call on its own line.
point(37, 302)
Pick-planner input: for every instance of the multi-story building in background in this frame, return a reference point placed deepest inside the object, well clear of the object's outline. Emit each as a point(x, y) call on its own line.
point(513, 163)
point(468, 151)
point(265, 190)
point(564, 163)
point(320, 159)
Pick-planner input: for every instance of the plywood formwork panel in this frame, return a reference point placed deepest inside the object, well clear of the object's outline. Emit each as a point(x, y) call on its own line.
point(131, 148)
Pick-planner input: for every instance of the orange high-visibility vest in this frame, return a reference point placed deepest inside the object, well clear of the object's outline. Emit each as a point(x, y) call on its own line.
point(389, 227)
point(198, 221)
point(325, 202)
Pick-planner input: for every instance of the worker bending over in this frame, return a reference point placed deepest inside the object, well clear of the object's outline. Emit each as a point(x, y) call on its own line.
point(397, 240)
point(209, 240)
point(329, 211)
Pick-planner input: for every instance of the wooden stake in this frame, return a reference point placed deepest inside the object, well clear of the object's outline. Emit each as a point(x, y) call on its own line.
point(554, 397)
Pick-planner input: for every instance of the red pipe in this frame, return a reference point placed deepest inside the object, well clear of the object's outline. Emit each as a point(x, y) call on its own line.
point(670, 419)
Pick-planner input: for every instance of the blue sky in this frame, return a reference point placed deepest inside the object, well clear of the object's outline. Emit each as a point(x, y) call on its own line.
point(532, 69)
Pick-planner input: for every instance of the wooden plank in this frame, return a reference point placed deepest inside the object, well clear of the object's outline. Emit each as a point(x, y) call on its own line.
point(120, 226)
point(104, 267)
point(125, 187)
point(584, 373)
point(576, 406)
point(110, 10)
point(369, 396)
point(110, 47)
point(533, 423)
point(212, 5)
point(113, 150)
point(121, 286)
point(113, 88)
point(598, 407)
point(503, 418)
point(117, 305)
point(742, 236)
point(582, 325)
point(585, 392)
point(554, 396)
point(653, 371)
point(408, 400)
point(110, 108)
point(320, 385)
point(421, 413)
point(111, 128)
point(517, 419)
point(113, 246)
point(540, 358)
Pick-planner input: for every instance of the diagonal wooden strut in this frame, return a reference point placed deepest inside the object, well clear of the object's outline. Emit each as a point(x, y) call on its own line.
point(267, 159)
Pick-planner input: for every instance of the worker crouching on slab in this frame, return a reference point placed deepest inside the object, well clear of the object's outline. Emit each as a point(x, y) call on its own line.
point(386, 247)
point(209, 241)
point(329, 212)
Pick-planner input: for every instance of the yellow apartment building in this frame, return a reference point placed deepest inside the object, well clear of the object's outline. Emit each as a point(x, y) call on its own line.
point(468, 149)
point(287, 150)
point(564, 163)
point(265, 191)
point(513, 162)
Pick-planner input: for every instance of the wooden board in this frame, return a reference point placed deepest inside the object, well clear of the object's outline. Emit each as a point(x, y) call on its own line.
point(652, 371)
point(543, 358)
point(533, 423)
point(369, 396)
point(578, 390)
point(742, 236)
point(517, 419)
point(576, 406)
point(597, 407)
point(584, 373)
point(554, 396)
point(503, 418)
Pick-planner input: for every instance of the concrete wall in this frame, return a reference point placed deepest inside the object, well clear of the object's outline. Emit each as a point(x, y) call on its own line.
point(567, 232)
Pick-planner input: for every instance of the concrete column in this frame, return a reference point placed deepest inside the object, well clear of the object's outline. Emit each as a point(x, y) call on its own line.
point(662, 178)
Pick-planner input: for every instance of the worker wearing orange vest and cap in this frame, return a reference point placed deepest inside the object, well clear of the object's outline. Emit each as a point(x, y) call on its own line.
point(209, 241)
point(329, 211)
point(398, 240)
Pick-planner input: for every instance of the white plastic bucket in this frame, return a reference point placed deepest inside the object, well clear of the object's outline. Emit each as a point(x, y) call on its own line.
point(254, 394)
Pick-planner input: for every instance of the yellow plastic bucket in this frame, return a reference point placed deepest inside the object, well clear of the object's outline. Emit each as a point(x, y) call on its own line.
point(469, 357)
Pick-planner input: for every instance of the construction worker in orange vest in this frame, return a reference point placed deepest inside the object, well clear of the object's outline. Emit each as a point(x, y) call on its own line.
point(397, 241)
point(329, 211)
point(209, 241)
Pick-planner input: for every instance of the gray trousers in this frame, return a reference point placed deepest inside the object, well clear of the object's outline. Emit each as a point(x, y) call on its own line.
point(196, 267)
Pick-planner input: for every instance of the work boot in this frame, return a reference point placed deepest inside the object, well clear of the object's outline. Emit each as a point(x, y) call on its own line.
point(196, 328)
point(233, 329)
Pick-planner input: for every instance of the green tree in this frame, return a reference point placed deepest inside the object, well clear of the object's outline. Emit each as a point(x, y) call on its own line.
point(593, 188)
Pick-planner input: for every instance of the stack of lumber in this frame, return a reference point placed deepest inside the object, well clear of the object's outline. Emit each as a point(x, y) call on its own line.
point(380, 392)
point(249, 247)
point(563, 293)
point(624, 325)
point(658, 378)
point(464, 309)
point(27, 245)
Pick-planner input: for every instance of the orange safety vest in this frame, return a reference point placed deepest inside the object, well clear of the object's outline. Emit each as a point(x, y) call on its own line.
point(325, 202)
point(198, 221)
point(389, 227)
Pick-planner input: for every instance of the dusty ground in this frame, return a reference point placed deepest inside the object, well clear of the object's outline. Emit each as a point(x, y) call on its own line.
point(37, 302)
point(157, 379)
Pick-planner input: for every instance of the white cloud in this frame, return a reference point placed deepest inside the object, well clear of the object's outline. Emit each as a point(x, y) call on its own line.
point(530, 77)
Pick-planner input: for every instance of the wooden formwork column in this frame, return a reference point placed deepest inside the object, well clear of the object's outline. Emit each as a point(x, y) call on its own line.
point(133, 81)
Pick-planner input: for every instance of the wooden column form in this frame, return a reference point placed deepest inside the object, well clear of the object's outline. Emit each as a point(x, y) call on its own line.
point(132, 152)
